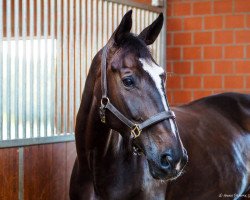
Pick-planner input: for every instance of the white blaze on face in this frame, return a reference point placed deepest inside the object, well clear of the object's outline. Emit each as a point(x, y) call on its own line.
point(155, 71)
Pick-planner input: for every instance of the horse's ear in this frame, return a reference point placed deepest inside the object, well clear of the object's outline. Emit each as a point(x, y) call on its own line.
point(149, 34)
point(123, 28)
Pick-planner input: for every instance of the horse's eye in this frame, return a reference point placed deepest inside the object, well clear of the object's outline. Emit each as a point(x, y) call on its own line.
point(128, 81)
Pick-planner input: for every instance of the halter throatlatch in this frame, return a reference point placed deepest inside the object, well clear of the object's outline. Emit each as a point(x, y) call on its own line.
point(135, 128)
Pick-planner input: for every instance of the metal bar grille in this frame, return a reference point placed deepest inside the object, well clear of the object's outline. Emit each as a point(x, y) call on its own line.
point(8, 69)
point(59, 68)
point(31, 83)
point(46, 48)
point(1, 69)
point(52, 59)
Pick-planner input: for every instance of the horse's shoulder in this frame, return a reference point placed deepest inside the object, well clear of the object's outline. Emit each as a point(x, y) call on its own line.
point(215, 131)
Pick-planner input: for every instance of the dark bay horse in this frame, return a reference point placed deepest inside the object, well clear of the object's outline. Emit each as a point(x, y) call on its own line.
point(216, 133)
point(149, 165)
point(124, 92)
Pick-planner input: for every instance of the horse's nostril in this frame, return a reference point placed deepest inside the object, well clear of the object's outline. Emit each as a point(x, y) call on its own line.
point(166, 161)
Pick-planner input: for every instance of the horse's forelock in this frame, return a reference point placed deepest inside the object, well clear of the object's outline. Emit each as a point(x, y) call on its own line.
point(134, 44)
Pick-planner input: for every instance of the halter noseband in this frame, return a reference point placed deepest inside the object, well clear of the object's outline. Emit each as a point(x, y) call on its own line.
point(135, 128)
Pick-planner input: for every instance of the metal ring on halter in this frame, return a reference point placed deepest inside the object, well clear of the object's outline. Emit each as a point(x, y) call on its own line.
point(104, 101)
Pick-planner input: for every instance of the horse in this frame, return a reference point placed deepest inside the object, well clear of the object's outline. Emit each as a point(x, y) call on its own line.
point(127, 141)
point(215, 131)
point(149, 162)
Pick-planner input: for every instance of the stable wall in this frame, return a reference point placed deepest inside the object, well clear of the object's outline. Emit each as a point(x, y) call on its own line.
point(208, 48)
point(36, 172)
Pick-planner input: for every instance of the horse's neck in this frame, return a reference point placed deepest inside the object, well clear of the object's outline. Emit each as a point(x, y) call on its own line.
point(113, 144)
point(89, 132)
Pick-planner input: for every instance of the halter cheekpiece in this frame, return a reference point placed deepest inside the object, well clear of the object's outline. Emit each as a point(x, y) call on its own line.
point(135, 129)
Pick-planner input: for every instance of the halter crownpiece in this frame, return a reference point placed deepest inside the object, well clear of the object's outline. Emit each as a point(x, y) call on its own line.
point(135, 128)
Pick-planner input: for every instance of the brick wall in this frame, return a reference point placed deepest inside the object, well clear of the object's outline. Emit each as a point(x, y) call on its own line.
point(208, 48)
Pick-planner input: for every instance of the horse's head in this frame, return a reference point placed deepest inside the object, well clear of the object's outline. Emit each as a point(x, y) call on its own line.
point(135, 86)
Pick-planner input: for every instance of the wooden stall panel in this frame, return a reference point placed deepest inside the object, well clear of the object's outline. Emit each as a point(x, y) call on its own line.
point(71, 156)
point(9, 174)
point(47, 170)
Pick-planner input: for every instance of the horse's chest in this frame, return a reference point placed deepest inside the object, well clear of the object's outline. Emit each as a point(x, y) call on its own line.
point(130, 179)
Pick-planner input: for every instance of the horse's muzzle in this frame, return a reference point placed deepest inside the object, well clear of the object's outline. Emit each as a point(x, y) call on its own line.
point(168, 166)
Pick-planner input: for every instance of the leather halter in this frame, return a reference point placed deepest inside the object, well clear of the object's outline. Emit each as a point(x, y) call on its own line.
point(135, 128)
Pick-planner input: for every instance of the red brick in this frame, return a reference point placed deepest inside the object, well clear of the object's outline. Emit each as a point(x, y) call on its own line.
point(200, 8)
point(182, 97)
point(202, 67)
point(248, 82)
point(170, 97)
point(173, 53)
point(234, 21)
point(212, 52)
point(169, 8)
point(248, 21)
point(191, 52)
point(242, 36)
point(212, 82)
point(174, 1)
point(182, 68)
point(248, 51)
point(202, 38)
point(169, 65)
point(223, 37)
point(234, 52)
point(242, 6)
point(180, 9)
point(213, 22)
point(174, 82)
point(242, 67)
point(200, 94)
point(223, 6)
point(182, 38)
point(223, 67)
point(234, 82)
point(193, 23)
point(192, 82)
point(169, 39)
point(174, 24)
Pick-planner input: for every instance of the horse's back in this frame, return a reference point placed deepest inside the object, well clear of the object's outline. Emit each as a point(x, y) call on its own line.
point(234, 106)
point(216, 132)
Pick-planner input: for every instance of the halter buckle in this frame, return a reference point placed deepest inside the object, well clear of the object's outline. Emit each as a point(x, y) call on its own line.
point(136, 131)
point(104, 102)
